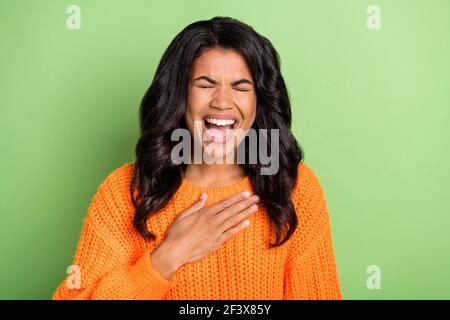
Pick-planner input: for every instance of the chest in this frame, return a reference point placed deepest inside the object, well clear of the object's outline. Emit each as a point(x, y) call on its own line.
point(244, 267)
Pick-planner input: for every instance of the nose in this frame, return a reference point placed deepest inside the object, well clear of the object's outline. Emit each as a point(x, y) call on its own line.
point(222, 99)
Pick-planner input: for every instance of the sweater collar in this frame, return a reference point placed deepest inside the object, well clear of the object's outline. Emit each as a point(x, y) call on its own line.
point(193, 191)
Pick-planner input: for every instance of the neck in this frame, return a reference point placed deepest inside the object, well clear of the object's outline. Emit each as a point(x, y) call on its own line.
point(214, 175)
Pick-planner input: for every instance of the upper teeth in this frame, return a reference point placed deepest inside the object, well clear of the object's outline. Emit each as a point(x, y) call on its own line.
point(220, 122)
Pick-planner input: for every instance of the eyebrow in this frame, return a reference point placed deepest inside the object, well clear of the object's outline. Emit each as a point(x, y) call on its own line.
point(234, 83)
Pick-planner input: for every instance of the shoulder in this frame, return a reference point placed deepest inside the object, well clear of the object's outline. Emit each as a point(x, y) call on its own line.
point(307, 184)
point(111, 204)
point(310, 205)
point(120, 176)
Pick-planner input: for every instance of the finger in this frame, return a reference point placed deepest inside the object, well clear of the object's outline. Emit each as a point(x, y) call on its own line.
point(230, 232)
point(229, 201)
point(200, 203)
point(235, 209)
point(238, 218)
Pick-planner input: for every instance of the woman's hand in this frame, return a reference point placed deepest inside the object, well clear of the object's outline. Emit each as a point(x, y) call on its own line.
point(199, 231)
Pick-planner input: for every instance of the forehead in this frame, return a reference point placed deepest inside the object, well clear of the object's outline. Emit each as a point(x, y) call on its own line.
point(220, 62)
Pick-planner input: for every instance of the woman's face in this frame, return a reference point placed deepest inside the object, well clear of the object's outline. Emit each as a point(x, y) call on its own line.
point(221, 102)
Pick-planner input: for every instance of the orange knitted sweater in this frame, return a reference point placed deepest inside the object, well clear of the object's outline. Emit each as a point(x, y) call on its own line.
point(112, 260)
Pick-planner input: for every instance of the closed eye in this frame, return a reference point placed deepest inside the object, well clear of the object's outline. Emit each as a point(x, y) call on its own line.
point(208, 87)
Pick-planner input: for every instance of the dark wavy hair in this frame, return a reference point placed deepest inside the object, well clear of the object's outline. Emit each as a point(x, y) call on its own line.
point(156, 178)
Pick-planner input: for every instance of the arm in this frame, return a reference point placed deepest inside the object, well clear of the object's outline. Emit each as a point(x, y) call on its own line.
point(311, 268)
point(312, 274)
point(106, 269)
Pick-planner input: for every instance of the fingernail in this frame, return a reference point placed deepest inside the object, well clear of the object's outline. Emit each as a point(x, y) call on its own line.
point(246, 194)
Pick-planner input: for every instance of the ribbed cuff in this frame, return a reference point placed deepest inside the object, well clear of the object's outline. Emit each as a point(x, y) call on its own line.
point(152, 284)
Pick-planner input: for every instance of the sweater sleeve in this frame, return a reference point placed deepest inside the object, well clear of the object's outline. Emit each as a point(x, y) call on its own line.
point(311, 272)
point(105, 270)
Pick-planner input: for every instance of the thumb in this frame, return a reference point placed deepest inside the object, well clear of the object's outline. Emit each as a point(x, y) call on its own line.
point(195, 207)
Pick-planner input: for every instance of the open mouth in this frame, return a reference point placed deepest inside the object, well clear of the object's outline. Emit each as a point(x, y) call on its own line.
point(219, 128)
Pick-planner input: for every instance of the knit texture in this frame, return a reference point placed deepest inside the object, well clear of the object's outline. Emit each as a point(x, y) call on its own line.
point(114, 260)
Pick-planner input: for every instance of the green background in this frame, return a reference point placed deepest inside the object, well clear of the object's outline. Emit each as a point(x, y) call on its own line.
point(370, 109)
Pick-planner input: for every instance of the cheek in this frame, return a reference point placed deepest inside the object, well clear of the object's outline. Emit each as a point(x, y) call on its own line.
point(194, 106)
point(248, 109)
point(197, 98)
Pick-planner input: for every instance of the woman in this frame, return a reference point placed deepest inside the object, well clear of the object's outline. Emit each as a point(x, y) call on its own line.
point(160, 228)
